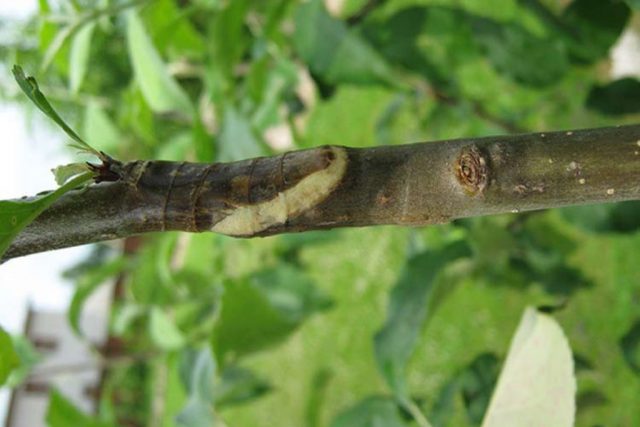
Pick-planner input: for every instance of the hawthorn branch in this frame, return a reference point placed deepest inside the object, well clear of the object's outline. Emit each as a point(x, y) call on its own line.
point(334, 186)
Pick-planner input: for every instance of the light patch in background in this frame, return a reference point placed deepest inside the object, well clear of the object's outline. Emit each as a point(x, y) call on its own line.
point(625, 55)
point(25, 161)
point(34, 280)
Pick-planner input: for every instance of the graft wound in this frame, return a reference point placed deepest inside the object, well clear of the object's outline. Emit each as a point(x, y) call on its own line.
point(307, 193)
point(471, 170)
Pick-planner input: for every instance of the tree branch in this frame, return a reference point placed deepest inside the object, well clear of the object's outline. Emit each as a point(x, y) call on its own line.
point(335, 186)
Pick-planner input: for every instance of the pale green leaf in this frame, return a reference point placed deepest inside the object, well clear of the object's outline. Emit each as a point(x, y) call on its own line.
point(537, 386)
point(16, 215)
point(198, 370)
point(87, 284)
point(8, 357)
point(164, 333)
point(79, 58)
point(64, 173)
point(371, 412)
point(100, 129)
point(237, 140)
point(159, 88)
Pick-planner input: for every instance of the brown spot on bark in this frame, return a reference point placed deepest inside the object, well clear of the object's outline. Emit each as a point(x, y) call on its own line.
point(240, 187)
point(472, 170)
point(382, 198)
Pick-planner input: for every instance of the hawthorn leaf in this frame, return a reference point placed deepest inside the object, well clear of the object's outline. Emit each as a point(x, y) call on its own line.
point(159, 89)
point(163, 331)
point(8, 357)
point(79, 57)
point(537, 385)
point(15, 215)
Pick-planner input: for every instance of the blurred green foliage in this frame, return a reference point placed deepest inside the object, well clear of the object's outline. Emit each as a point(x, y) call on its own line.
point(347, 327)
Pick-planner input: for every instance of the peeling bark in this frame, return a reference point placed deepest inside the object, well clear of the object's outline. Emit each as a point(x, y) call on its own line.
point(327, 187)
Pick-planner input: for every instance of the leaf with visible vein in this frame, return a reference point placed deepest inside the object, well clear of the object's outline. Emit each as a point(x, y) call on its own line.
point(15, 215)
point(30, 87)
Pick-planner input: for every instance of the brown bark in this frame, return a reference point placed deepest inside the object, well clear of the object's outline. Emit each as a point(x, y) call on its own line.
point(327, 187)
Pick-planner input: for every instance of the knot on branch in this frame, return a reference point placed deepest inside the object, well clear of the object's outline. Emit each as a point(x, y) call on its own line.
point(472, 170)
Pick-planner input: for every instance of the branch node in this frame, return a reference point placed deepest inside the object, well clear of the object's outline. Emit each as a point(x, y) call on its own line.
point(472, 170)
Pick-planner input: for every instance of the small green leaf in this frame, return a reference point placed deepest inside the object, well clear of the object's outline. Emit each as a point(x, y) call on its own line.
point(163, 331)
point(410, 305)
point(64, 173)
point(291, 291)
point(198, 371)
point(160, 90)
point(592, 31)
point(16, 215)
point(238, 385)
point(8, 357)
point(371, 412)
point(100, 129)
point(239, 333)
point(79, 58)
point(28, 356)
point(334, 52)
point(237, 139)
point(63, 413)
point(29, 86)
point(196, 413)
point(537, 385)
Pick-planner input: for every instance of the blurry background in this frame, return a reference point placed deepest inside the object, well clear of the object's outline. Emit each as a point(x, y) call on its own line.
point(191, 330)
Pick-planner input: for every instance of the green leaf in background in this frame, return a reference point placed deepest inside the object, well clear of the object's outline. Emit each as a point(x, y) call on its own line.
point(616, 98)
point(64, 173)
point(79, 58)
point(172, 31)
point(411, 303)
point(28, 357)
point(630, 346)
point(371, 412)
point(291, 291)
point(592, 27)
point(623, 217)
point(8, 357)
point(332, 120)
point(198, 371)
point(238, 385)
point(430, 41)
point(86, 285)
point(635, 4)
point(237, 139)
point(63, 413)
point(163, 331)
point(248, 322)
point(100, 129)
point(537, 385)
point(30, 87)
point(151, 280)
point(159, 88)
point(16, 215)
point(336, 53)
point(473, 384)
point(518, 54)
